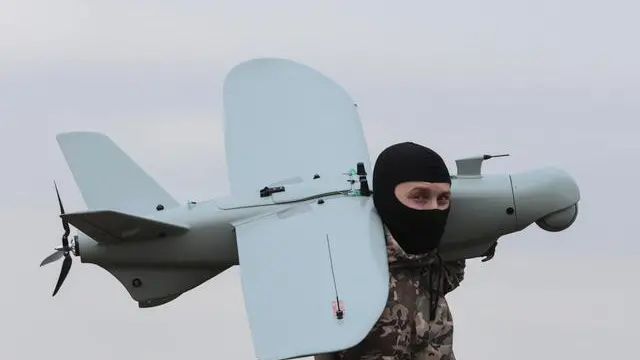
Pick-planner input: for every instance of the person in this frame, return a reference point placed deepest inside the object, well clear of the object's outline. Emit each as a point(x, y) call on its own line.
point(411, 193)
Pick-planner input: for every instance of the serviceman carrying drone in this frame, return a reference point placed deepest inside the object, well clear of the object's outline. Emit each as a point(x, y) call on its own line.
point(412, 187)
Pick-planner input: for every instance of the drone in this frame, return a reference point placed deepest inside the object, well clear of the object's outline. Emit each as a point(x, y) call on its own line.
point(299, 220)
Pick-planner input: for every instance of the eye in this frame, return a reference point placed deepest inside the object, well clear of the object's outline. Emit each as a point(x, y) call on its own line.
point(444, 199)
point(419, 196)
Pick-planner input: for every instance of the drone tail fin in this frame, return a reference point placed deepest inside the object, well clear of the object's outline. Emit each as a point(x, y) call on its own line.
point(108, 178)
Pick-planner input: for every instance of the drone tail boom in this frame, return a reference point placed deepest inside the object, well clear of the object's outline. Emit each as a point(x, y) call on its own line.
point(108, 178)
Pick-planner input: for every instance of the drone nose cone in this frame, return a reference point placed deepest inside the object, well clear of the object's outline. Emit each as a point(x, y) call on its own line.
point(547, 196)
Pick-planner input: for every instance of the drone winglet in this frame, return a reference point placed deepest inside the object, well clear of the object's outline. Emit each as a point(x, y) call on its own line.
point(108, 178)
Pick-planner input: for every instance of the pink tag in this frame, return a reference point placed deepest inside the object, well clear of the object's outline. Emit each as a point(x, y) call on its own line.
point(335, 307)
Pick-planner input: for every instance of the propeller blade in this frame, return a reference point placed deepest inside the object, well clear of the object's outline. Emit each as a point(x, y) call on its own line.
point(65, 224)
point(51, 258)
point(66, 266)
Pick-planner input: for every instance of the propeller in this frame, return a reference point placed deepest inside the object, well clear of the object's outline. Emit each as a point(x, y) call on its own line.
point(61, 251)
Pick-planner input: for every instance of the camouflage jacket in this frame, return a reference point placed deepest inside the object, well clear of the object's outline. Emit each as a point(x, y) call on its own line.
point(409, 328)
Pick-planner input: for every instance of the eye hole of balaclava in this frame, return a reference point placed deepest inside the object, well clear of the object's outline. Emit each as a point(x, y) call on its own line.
point(416, 231)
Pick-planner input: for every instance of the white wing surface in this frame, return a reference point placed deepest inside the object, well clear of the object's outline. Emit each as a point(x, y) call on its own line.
point(284, 120)
point(295, 269)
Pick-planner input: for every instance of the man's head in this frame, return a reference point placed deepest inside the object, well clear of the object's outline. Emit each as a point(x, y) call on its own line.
point(411, 191)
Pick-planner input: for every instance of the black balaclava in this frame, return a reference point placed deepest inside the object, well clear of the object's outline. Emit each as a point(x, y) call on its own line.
point(416, 231)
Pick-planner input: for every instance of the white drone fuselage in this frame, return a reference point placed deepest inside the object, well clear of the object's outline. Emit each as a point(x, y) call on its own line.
point(157, 269)
point(311, 248)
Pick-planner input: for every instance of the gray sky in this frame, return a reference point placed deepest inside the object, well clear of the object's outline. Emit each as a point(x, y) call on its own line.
point(550, 82)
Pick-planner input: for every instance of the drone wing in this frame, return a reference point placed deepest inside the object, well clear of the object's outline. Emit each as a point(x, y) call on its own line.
point(286, 123)
point(296, 270)
point(284, 120)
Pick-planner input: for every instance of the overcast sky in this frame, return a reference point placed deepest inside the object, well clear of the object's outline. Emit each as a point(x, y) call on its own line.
point(550, 82)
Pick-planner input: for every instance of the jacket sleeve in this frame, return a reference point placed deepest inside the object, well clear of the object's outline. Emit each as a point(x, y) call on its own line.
point(390, 337)
point(453, 274)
